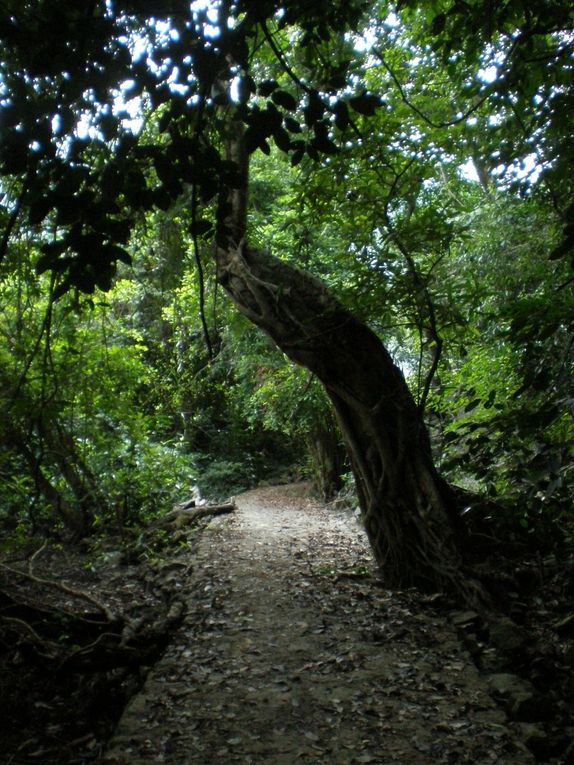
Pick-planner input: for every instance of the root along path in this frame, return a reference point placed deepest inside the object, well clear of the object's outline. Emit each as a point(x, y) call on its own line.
point(293, 652)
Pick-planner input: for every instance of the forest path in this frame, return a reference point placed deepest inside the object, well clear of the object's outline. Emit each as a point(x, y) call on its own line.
point(292, 652)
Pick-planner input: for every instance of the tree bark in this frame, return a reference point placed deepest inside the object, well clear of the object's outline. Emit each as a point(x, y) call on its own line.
point(408, 510)
point(327, 457)
point(184, 516)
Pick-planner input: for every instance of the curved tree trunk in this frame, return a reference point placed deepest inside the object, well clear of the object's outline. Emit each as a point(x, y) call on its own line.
point(409, 511)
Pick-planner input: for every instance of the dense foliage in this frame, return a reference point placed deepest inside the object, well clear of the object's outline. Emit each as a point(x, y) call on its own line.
point(416, 157)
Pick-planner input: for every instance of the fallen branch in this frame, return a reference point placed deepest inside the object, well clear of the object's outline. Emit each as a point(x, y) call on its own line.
point(185, 505)
point(182, 516)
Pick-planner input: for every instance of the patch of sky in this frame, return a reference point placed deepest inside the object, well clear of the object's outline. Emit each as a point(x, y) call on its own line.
point(209, 12)
point(364, 42)
point(528, 169)
point(487, 74)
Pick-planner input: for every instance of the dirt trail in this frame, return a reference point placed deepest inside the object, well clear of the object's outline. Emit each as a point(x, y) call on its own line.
point(292, 652)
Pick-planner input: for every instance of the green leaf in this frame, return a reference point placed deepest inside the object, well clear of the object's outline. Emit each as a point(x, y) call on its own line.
point(314, 110)
point(292, 125)
point(282, 139)
point(201, 227)
point(297, 156)
point(284, 99)
point(438, 24)
point(365, 104)
point(252, 138)
point(341, 112)
point(267, 87)
point(112, 253)
point(324, 145)
point(246, 88)
point(40, 209)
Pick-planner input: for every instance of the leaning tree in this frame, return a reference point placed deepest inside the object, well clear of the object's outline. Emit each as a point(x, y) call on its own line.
point(212, 83)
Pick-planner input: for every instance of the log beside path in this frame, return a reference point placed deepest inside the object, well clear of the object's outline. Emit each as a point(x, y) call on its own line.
point(188, 513)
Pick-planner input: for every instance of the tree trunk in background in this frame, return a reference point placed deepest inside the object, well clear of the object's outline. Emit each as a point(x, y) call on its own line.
point(82, 482)
point(51, 449)
point(409, 511)
point(72, 519)
point(327, 457)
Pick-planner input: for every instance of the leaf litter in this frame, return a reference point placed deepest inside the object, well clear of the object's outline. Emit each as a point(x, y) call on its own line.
point(292, 651)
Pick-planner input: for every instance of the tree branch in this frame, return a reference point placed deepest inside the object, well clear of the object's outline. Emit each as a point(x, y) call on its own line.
point(281, 59)
point(406, 100)
point(200, 275)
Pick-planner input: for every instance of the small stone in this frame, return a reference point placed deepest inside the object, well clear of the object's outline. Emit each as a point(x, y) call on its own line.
point(535, 738)
point(464, 619)
point(474, 646)
point(507, 636)
point(516, 694)
point(493, 661)
point(565, 626)
point(569, 755)
point(569, 656)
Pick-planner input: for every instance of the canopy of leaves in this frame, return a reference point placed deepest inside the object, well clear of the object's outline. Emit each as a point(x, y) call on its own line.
point(415, 156)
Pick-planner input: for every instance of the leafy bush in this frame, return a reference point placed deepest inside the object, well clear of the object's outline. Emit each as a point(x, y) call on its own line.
point(219, 478)
point(144, 478)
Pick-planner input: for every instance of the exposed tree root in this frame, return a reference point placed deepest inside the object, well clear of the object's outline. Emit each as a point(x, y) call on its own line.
point(50, 631)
